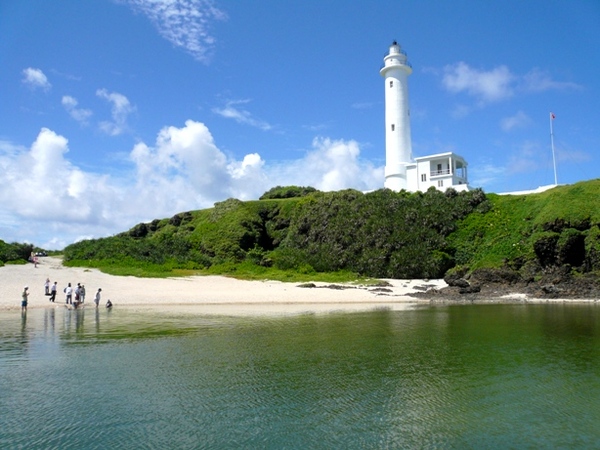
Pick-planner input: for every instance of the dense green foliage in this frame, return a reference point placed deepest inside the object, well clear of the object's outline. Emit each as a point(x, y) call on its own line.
point(287, 192)
point(14, 253)
point(380, 234)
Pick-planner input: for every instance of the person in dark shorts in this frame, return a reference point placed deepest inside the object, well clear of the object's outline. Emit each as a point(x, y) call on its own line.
point(24, 298)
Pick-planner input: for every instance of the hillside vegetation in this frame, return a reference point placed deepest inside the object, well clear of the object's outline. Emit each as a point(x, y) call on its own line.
point(14, 253)
point(299, 233)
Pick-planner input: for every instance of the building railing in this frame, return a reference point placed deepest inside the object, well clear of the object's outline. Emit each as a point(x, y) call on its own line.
point(435, 173)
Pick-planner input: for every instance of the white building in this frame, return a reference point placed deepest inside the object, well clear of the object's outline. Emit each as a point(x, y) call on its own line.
point(442, 170)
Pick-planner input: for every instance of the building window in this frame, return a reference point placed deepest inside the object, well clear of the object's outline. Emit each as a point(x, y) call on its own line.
point(440, 183)
point(423, 177)
point(392, 83)
point(393, 127)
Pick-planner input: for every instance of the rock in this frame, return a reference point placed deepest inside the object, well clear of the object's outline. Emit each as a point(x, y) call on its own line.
point(383, 283)
point(502, 275)
point(550, 289)
point(461, 283)
point(379, 289)
point(470, 289)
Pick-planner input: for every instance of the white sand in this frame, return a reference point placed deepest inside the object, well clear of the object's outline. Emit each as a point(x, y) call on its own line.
point(213, 294)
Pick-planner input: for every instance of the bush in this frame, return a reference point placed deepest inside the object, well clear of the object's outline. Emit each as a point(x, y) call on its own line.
point(287, 192)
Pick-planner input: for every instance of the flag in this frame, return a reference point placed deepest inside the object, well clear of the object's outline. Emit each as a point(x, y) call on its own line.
point(552, 116)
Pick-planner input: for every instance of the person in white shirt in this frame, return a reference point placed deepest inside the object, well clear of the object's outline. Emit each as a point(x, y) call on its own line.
point(69, 294)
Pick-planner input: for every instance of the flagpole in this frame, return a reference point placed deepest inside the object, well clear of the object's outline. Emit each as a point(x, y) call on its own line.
point(552, 143)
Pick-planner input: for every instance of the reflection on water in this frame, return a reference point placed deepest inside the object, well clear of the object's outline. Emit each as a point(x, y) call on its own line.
point(492, 376)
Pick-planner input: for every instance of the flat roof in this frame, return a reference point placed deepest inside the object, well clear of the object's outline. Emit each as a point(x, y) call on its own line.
point(440, 155)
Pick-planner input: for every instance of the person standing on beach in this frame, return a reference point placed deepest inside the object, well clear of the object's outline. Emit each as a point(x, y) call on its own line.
point(24, 298)
point(82, 293)
point(47, 287)
point(69, 294)
point(53, 292)
point(97, 297)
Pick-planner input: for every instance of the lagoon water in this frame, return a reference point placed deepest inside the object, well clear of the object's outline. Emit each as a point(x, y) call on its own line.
point(476, 376)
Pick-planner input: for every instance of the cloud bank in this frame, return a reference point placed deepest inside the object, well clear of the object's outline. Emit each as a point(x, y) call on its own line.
point(51, 202)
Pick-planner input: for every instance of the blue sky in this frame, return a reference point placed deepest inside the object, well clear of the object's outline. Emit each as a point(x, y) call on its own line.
point(115, 112)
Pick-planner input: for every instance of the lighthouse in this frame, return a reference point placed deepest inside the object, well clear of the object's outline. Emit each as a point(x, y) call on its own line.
point(398, 148)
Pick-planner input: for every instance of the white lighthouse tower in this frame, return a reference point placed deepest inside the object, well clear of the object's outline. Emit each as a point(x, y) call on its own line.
point(398, 148)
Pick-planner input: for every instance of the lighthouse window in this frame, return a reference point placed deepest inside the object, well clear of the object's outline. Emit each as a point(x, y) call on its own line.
point(440, 183)
point(423, 177)
point(392, 83)
point(393, 127)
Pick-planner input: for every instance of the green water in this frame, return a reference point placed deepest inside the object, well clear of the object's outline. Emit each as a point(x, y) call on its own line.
point(488, 376)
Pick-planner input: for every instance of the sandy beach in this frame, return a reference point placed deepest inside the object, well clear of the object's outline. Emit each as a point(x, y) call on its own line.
point(213, 294)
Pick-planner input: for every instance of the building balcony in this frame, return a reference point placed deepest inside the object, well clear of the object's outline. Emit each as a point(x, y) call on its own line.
point(437, 173)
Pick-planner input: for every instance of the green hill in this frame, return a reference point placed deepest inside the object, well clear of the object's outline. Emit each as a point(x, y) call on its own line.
point(300, 233)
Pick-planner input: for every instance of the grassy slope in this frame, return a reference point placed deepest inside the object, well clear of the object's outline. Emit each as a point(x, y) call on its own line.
point(505, 235)
point(509, 230)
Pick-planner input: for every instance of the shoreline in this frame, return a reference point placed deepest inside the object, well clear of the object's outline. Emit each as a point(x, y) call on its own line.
point(222, 295)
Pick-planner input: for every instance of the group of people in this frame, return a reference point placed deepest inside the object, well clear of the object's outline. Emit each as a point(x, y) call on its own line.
point(74, 297)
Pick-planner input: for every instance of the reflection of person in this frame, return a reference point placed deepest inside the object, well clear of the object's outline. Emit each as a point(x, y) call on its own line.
point(97, 297)
point(109, 304)
point(24, 297)
point(76, 299)
point(53, 292)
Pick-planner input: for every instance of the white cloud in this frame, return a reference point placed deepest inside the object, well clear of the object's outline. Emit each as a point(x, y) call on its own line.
point(79, 114)
point(42, 189)
point(486, 86)
point(519, 120)
point(121, 108)
point(35, 79)
point(51, 202)
point(538, 81)
point(230, 111)
point(184, 23)
point(328, 166)
point(497, 84)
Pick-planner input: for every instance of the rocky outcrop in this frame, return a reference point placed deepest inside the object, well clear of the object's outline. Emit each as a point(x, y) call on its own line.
point(484, 284)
